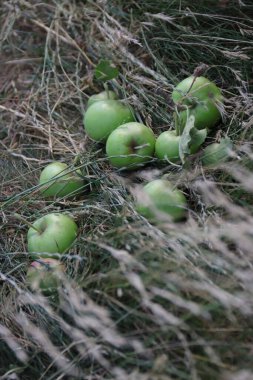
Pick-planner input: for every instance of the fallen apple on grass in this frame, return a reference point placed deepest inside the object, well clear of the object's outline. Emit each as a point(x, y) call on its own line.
point(162, 200)
point(216, 153)
point(167, 144)
point(58, 180)
point(103, 117)
point(199, 97)
point(45, 275)
point(52, 233)
point(104, 95)
point(130, 145)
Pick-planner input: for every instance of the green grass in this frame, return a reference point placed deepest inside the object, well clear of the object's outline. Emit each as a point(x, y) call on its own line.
point(138, 301)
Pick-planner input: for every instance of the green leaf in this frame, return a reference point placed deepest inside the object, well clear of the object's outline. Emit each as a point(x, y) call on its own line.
point(186, 138)
point(106, 70)
point(198, 137)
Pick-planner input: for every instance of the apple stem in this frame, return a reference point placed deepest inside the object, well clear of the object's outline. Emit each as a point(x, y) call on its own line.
point(19, 217)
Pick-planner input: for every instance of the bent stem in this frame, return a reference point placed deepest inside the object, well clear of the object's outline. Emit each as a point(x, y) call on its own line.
point(19, 217)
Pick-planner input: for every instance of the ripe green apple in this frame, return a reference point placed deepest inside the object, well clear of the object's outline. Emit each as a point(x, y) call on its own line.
point(216, 153)
point(167, 146)
point(52, 233)
point(104, 95)
point(103, 117)
point(59, 180)
point(45, 275)
point(130, 145)
point(161, 198)
point(201, 99)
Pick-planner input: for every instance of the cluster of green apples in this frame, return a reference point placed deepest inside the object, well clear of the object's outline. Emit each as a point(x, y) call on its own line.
point(130, 144)
point(202, 99)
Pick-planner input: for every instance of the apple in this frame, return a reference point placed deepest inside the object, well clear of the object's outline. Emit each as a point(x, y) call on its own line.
point(45, 275)
point(52, 233)
point(130, 145)
point(58, 180)
point(104, 95)
point(161, 198)
point(216, 153)
point(167, 144)
point(103, 117)
point(200, 98)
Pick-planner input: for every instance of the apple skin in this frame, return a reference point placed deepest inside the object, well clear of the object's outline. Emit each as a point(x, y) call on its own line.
point(201, 89)
point(167, 146)
point(58, 232)
point(202, 100)
point(163, 198)
point(66, 182)
point(102, 96)
point(134, 141)
point(45, 275)
point(216, 153)
point(103, 117)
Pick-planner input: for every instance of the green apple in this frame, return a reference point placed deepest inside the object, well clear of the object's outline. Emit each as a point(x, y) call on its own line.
point(103, 117)
point(130, 145)
point(200, 98)
point(52, 233)
point(161, 198)
point(45, 275)
point(104, 95)
point(216, 153)
point(167, 146)
point(58, 180)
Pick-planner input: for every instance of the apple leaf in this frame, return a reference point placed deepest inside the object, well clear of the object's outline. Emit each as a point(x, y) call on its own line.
point(106, 70)
point(195, 134)
point(186, 138)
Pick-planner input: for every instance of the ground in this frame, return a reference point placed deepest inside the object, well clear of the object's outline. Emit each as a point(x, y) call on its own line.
point(137, 300)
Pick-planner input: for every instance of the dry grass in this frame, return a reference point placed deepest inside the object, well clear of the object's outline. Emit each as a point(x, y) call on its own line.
point(137, 302)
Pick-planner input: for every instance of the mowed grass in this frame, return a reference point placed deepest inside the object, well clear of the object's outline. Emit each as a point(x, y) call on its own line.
point(137, 302)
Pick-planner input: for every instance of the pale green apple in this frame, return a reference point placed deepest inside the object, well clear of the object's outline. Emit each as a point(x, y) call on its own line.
point(59, 180)
point(45, 275)
point(130, 145)
point(104, 95)
point(161, 199)
point(167, 146)
point(217, 153)
point(103, 117)
point(52, 233)
point(200, 98)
